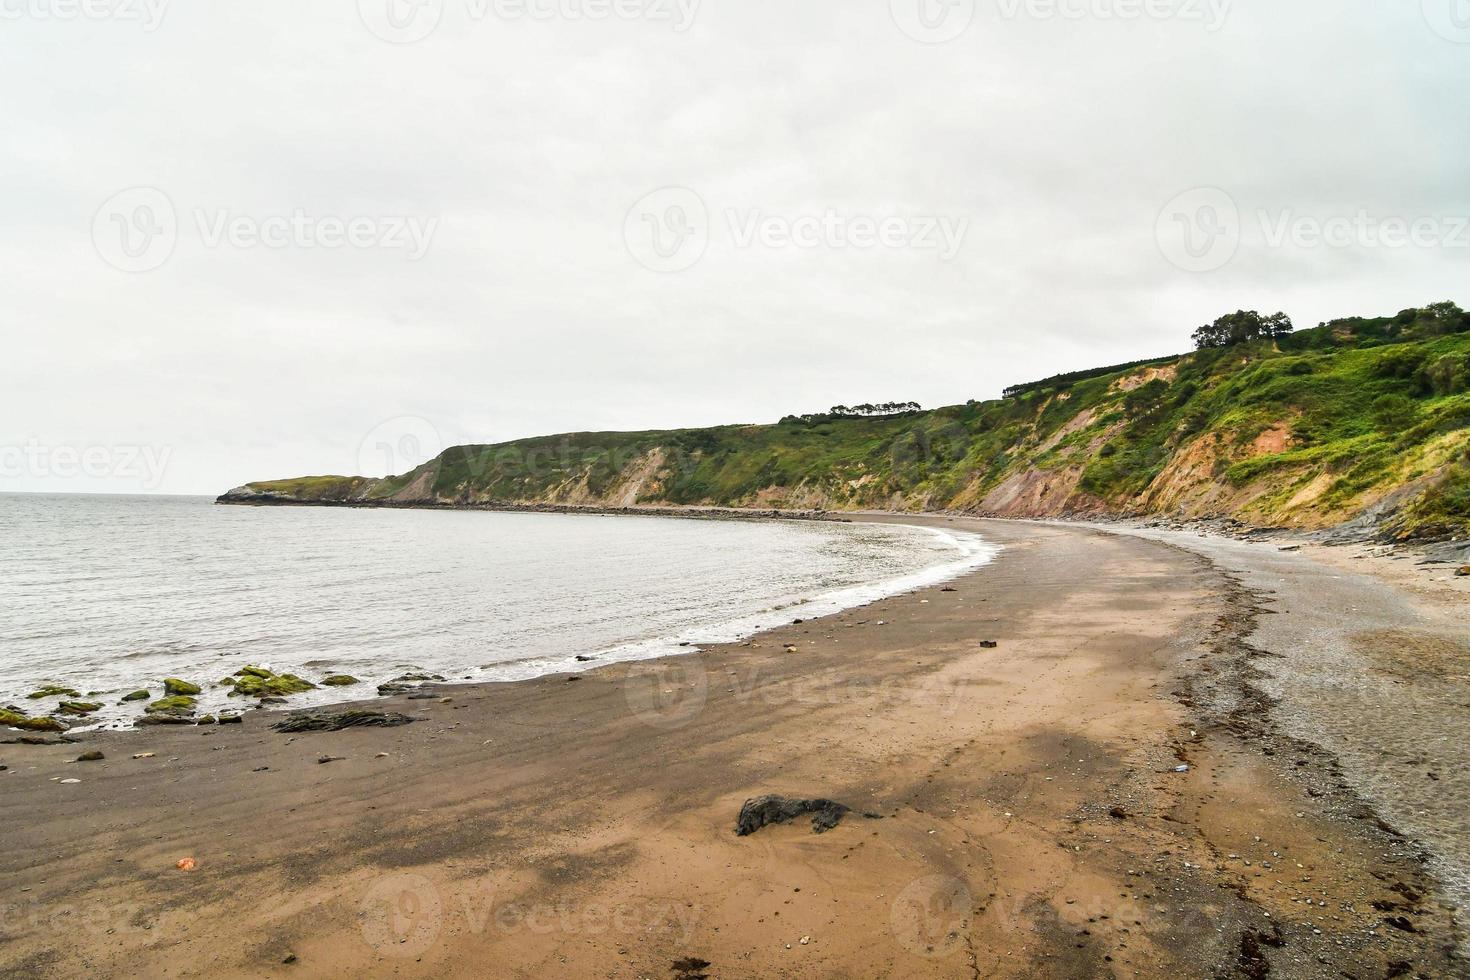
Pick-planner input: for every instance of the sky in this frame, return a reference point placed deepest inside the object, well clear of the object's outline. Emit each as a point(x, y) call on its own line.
point(251, 240)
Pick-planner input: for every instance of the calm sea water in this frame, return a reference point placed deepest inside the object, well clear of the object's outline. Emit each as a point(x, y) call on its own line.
point(108, 594)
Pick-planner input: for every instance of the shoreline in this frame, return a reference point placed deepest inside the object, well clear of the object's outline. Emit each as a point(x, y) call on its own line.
point(893, 710)
point(966, 557)
point(591, 510)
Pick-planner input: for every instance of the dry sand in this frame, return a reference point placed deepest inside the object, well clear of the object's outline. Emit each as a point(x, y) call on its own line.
point(1016, 812)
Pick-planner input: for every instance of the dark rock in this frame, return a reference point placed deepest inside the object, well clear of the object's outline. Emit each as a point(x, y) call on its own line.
point(136, 696)
point(691, 968)
point(988, 644)
point(588, 660)
point(231, 720)
point(340, 680)
point(78, 709)
point(93, 756)
point(339, 720)
point(949, 589)
point(1118, 813)
point(329, 758)
point(166, 718)
point(767, 810)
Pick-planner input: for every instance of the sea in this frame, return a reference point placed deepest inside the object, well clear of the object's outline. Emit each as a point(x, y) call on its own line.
point(109, 594)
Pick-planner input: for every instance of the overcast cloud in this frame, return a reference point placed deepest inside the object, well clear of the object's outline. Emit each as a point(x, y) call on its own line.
point(246, 240)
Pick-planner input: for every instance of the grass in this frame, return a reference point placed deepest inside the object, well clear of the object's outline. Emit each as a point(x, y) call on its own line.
point(1372, 403)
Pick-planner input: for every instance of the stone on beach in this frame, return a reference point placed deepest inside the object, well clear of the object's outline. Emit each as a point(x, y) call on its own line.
point(12, 718)
point(340, 720)
point(172, 686)
point(767, 810)
point(257, 682)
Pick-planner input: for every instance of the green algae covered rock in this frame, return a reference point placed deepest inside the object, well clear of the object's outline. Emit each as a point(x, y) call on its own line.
point(180, 703)
point(54, 692)
point(260, 672)
point(276, 685)
point(17, 719)
point(135, 696)
point(78, 708)
point(172, 686)
point(340, 680)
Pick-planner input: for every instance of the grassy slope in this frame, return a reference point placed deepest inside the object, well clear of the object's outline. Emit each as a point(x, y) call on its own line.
point(1311, 431)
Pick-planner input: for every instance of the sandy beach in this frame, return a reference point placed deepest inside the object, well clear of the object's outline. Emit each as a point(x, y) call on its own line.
point(1107, 790)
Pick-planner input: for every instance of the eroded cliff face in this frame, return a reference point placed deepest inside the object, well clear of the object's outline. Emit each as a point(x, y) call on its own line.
point(1262, 436)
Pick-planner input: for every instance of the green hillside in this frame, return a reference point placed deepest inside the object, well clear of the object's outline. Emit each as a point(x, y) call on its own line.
point(1358, 417)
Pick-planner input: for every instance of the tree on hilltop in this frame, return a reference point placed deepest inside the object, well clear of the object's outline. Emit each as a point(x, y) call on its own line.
point(1242, 327)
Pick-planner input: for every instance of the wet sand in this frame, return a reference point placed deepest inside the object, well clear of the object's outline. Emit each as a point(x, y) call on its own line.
point(1016, 811)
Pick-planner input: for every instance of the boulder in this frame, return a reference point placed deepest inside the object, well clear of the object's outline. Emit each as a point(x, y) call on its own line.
point(165, 718)
point(336, 721)
point(180, 702)
point(135, 696)
point(16, 719)
point(767, 810)
point(275, 685)
point(340, 680)
point(173, 686)
point(79, 709)
point(92, 756)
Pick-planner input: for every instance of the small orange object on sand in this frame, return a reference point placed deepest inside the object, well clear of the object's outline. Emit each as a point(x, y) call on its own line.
point(186, 864)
